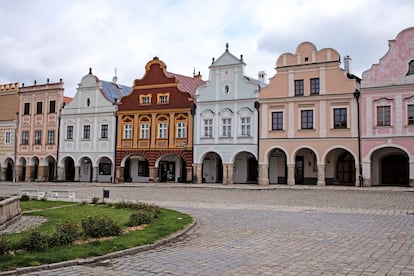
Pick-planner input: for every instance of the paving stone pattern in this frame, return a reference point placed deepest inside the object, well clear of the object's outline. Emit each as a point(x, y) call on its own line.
point(272, 232)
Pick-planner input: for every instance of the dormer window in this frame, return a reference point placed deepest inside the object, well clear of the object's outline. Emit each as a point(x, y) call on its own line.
point(163, 98)
point(411, 68)
point(145, 99)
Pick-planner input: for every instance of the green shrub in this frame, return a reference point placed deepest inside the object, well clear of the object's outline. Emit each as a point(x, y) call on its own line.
point(140, 217)
point(24, 198)
point(95, 200)
point(66, 233)
point(35, 241)
point(100, 226)
point(5, 245)
point(155, 210)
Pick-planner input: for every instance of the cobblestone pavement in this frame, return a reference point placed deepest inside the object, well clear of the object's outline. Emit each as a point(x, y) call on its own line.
point(273, 231)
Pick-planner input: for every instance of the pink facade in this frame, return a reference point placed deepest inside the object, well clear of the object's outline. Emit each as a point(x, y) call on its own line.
point(309, 121)
point(387, 112)
point(37, 137)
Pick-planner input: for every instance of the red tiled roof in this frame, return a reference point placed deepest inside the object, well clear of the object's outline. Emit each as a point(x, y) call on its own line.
point(188, 84)
point(67, 100)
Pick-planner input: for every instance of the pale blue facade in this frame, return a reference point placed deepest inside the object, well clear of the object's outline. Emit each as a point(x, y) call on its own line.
point(226, 124)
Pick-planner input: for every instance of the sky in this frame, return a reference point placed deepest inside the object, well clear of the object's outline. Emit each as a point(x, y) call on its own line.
point(41, 39)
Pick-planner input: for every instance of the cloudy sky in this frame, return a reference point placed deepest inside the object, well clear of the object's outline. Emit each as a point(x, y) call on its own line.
point(55, 39)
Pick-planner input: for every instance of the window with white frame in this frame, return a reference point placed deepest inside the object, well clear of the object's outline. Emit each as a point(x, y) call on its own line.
point(86, 132)
point(38, 137)
point(144, 134)
point(340, 118)
point(162, 130)
point(226, 127)
point(50, 137)
point(208, 128)
point(307, 119)
point(69, 132)
point(410, 114)
point(384, 115)
point(25, 137)
point(104, 131)
point(7, 137)
point(277, 120)
point(181, 130)
point(245, 126)
point(127, 131)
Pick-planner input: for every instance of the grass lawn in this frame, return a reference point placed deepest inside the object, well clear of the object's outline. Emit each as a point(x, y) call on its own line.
point(168, 222)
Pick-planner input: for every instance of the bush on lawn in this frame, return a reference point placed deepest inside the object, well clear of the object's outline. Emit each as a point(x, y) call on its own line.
point(100, 226)
point(35, 241)
point(66, 233)
point(140, 217)
point(5, 245)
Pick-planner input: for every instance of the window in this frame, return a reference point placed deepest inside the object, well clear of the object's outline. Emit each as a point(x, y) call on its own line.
point(144, 131)
point(307, 119)
point(39, 108)
point(7, 136)
point(86, 132)
point(226, 127)
point(88, 102)
point(69, 132)
point(298, 87)
point(181, 130)
point(104, 131)
point(50, 136)
point(127, 131)
point(340, 118)
point(383, 115)
point(410, 112)
point(277, 120)
point(52, 106)
point(25, 137)
point(314, 86)
point(38, 137)
point(226, 89)
point(146, 100)
point(163, 98)
point(162, 130)
point(245, 126)
point(411, 68)
point(26, 108)
point(208, 128)
point(105, 168)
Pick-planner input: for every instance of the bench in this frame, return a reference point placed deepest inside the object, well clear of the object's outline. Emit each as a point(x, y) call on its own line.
point(62, 194)
point(33, 193)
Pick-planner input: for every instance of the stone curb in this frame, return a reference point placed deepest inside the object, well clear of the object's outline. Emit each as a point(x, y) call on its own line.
point(94, 260)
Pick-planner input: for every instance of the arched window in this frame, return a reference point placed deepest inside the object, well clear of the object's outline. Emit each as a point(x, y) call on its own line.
point(411, 68)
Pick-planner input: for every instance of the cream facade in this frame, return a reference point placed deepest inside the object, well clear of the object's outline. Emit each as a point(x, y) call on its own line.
point(387, 101)
point(37, 139)
point(309, 121)
point(9, 106)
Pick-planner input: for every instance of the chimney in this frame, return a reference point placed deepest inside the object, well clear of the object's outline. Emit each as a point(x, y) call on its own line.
point(198, 76)
point(262, 76)
point(347, 64)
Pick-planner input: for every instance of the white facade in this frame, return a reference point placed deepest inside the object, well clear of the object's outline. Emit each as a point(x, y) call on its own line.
point(87, 132)
point(225, 124)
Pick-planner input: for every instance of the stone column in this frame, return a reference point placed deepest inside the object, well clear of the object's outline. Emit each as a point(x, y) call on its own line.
point(3, 173)
point(61, 174)
point(225, 175)
point(198, 169)
point(411, 176)
point(19, 173)
point(263, 174)
point(29, 173)
point(366, 173)
point(230, 171)
point(321, 175)
point(291, 174)
point(94, 174)
point(189, 176)
point(119, 174)
point(77, 171)
point(42, 173)
point(153, 174)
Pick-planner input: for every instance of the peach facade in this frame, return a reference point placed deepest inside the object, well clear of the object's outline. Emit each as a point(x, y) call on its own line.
point(387, 106)
point(9, 106)
point(37, 139)
point(309, 121)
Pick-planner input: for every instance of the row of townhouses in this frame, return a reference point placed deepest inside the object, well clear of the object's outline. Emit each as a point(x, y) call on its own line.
point(313, 122)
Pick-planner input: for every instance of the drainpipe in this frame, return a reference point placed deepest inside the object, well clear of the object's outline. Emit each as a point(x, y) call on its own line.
point(15, 147)
point(357, 95)
point(193, 111)
point(257, 106)
point(116, 138)
point(58, 144)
